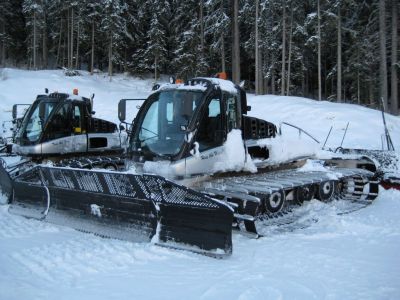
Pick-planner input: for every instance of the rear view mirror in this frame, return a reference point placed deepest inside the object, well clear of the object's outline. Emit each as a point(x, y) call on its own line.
point(15, 111)
point(122, 110)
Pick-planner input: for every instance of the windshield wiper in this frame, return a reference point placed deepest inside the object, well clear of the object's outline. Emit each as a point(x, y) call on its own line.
point(156, 134)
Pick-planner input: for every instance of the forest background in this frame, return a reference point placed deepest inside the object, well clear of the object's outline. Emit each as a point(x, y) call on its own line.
point(338, 50)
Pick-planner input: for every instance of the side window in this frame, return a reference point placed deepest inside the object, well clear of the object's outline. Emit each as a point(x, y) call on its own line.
point(60, 123)
point(233, 111)
point(170, 112)
point(77, 120)
point(211, 133)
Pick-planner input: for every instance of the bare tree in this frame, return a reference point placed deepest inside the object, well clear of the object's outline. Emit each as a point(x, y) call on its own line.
point(92, 51)
point(394, 64)
point(290, 50)
point(110, 56)
point(339, 57)
point(283, 49)
point(258, 84)
point(236, 46)
point(78, 33)
point(223, 65)
point(3, 41)
point(34, 41)
point(319, 51)
point(382, 50)
point(59, 43)
point(68, 39)
point(72, 39)
point(202, 26)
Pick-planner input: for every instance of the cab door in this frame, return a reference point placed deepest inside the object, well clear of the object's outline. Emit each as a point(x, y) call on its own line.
point(233, 111)
point(57, 134)
point(79, 128)
point(212, 132)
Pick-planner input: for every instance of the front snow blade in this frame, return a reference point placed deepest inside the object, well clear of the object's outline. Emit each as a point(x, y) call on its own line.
point(5, 182)
point(125, 206)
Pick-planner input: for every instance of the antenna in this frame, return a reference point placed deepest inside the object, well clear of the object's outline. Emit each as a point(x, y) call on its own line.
point(327, 137)
point(389, 142)
point(344, 135)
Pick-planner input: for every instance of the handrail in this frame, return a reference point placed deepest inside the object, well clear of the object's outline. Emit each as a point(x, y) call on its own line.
point(301, 130)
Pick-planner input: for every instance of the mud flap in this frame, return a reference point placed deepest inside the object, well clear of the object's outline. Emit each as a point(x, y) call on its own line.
point(127, 206)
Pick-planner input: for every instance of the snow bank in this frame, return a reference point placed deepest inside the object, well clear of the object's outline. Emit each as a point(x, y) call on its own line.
point(234, 155)
point(316, 117)
point(283, 148)
point(3, 198)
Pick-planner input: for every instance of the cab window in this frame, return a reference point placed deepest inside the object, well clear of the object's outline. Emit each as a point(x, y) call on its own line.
point(211, 132)
point(60, 123)
point(233, 114)
point(77, 120)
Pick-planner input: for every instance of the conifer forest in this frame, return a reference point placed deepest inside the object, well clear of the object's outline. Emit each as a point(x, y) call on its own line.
point(336, 50)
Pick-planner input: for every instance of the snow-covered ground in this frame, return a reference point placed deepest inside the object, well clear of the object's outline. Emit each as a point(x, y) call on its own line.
point(352, 256)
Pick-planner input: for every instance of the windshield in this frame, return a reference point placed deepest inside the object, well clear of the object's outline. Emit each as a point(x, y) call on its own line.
point(32, 126)
point(162, 130)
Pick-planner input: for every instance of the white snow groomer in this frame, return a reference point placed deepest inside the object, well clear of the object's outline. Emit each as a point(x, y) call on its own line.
point(196, 166)
point(54, 127)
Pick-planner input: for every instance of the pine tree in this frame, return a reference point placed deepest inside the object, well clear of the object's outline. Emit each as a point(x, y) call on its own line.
point(33, 11)
point(113, 25)
point(156, 45)
point(5, 38)
point(217, 26)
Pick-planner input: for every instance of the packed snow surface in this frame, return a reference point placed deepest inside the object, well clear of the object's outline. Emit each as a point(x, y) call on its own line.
point(351, 256)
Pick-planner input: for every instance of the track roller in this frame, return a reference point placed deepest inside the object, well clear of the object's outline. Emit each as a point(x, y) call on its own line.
point(304, 193)
point(326, 190)
point(275, 202)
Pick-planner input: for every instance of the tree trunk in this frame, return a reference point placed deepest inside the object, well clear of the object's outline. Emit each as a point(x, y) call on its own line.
point(358, 87)
point(69, 37)
point(257, 60)
point(394, 108)
point(339, 58)
point(77, 46)
point(110, 64)
point(371, 93)
point(92, 56)
point(34, 41)
point(3, 43)
point(273, 91)
point(202, 26)
point(65, 49)
point(283, 49)
point(155, 69)
point(45, 49)
point(59, 43)
point(290, 50)
point(72, 38)
point(319, 52)
point(236, 45)
point(382, 49)
point(223, 65)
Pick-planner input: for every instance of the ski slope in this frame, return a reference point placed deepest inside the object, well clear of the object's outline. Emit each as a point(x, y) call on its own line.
point(351, 256)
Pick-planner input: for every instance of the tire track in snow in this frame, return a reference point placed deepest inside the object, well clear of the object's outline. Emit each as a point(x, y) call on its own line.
point(18, 227)
point(84, 255)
